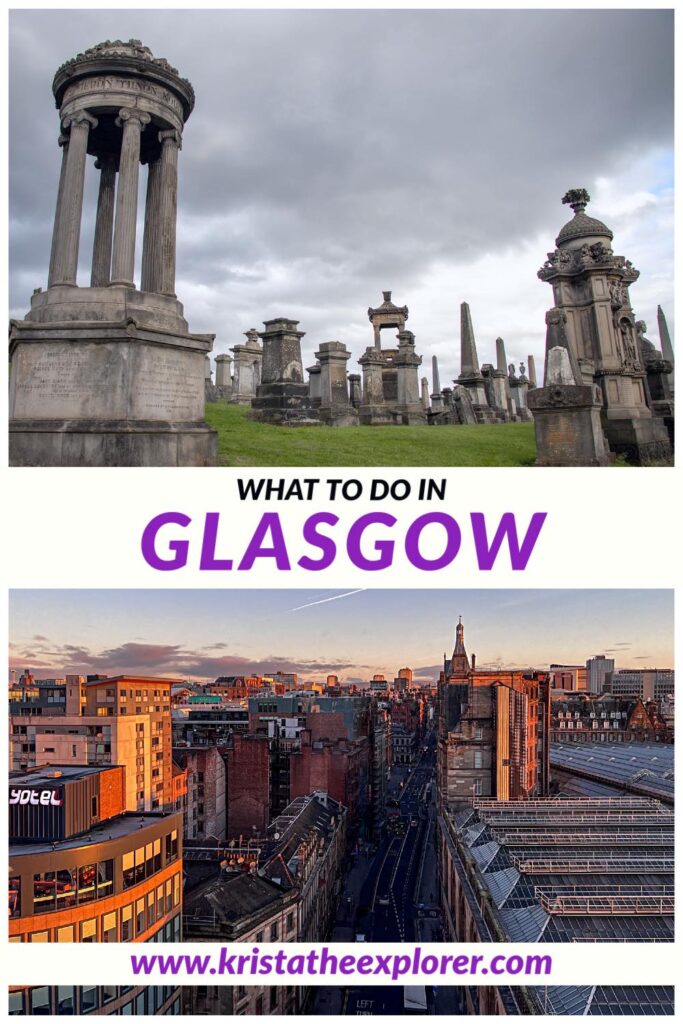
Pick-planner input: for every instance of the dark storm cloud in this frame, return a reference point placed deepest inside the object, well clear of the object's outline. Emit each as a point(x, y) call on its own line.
point(333, 154)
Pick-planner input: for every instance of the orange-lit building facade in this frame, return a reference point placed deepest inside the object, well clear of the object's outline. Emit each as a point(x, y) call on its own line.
point(493, 731)
point(81, 869)
point(122, 720)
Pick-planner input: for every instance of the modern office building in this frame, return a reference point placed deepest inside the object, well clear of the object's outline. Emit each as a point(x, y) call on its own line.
point(83, 869)
point(123, 720)
point(597, 670)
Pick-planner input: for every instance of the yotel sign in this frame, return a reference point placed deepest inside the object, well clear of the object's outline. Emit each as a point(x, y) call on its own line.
point(44, 797)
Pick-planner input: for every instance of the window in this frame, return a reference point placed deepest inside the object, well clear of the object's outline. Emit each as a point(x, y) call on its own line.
point(16, 1004)
point(66, 1000)
point(89, 930)
point(139, 865)
point(109, 927)
point(140, 917)
point(176, 890)
point(273, 931)
point(40, 1000)
point(15, 896)
point(172, 845)
point(66, 888)
point(127, 923)
point(128, 864)
point(259, 936)
point(39, 937)
point(477, 759)
point(66, 934)
point(105, 878)
point(273, 998)
point(89, 1000)
point(109, 994)
point(160, 902)
point(290, 922)
point(169, 896)
point(86, 883)
point(151, 909)
point(44, 892)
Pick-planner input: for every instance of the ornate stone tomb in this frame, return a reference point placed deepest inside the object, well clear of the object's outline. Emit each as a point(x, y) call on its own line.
point(109, 374)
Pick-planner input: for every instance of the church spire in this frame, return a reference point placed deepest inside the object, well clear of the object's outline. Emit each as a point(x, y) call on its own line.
point(459, 662)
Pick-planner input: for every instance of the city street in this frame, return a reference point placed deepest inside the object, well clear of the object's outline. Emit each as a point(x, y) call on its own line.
point(390, 895)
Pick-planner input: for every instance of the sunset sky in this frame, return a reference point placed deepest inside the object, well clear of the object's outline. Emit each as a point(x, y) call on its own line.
point(202, 634)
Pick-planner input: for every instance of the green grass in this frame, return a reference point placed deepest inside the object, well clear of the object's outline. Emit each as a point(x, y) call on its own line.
point(241, 442)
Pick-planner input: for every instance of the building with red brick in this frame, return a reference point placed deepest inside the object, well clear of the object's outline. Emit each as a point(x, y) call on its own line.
point(247, 762)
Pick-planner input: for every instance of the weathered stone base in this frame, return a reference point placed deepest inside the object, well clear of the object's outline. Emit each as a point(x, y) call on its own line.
point(223, 393)
point(376, 416)
point(410, 416)
point(102, 443)
point(663, 410)
point(284, 403)
point(335, 417)
point(568, 426)
point(643, 442)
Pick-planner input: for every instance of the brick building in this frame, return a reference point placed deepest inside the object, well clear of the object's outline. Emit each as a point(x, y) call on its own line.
point(247, 762)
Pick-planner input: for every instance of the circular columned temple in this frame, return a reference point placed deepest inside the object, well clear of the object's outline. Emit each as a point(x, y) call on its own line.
point(106, 372)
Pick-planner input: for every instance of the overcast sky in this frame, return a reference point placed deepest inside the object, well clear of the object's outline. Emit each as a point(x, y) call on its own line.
point(332, 155)
point(202, 634)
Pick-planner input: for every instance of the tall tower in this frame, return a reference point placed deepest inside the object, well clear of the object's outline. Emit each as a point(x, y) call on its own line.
point(460, 664)
point(591, 286)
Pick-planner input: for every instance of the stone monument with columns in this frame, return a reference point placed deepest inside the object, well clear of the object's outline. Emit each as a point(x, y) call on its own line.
point(108, 374)
point(591, 284)
point(335, 409)
point(283, 397)
point(247, 372)
point(409, 409)
point(224, 377)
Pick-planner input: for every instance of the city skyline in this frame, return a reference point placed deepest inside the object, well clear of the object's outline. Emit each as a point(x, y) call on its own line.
point(202, 634)
point(279, 214)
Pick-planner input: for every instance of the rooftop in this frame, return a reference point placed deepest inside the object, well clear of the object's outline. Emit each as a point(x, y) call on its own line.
point(643, 768)
point(51, 773)
point(114, 828)
point(573, 870)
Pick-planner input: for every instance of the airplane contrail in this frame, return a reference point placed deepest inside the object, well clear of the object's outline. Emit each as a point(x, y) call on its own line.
point(336, 597)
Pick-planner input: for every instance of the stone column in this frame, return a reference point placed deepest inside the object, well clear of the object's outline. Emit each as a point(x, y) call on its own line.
point(335, 407)
point(123, 259)
point(437, 398)
point(354, 390)
point(314, 390)
point(532, 371)
point(425, 393)
point(62, 141)
point(372, 363)
point(168, 205)
point(104, 223)
point(68, 232)
point(223, 371)
point(149, 277)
